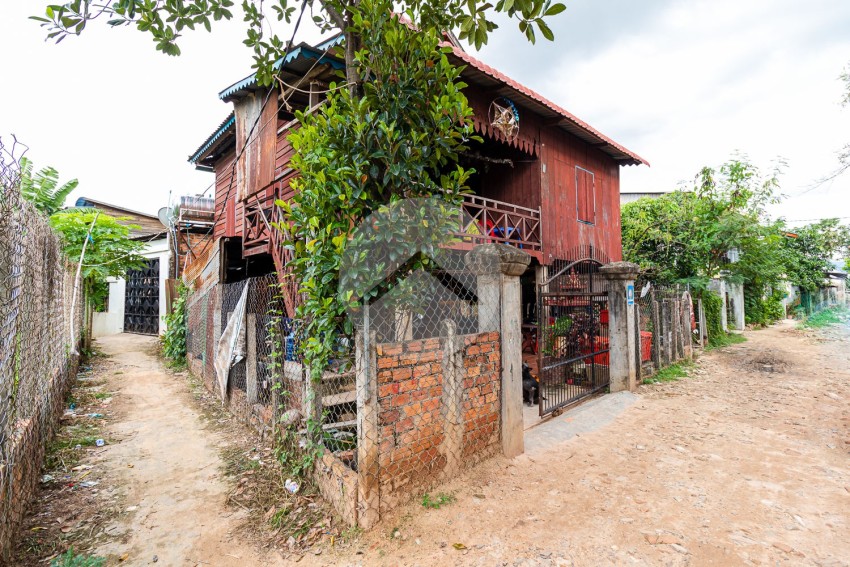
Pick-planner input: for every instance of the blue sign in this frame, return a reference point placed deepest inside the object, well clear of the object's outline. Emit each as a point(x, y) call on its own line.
point(630, 294)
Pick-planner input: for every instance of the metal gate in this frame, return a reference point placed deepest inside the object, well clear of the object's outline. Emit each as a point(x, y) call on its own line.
point(141, 300)
point(572, 315)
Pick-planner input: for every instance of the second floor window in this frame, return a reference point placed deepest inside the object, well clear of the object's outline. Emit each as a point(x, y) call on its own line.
point(585, 195)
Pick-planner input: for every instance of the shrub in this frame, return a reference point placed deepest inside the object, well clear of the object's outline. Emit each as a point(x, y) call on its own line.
point(174, 339)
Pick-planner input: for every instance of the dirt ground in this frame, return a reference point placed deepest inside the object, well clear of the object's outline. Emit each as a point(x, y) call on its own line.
point(743, 463)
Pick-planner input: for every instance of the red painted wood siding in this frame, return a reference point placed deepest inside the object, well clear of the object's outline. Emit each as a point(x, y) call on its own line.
point(562, 230)
point(545, 179)
point(228, 214)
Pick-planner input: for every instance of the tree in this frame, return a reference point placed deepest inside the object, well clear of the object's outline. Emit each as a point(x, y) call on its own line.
point(811, 250)
point(109, 252)
point(167, 20)
point(42, 188)
point(687, 235)
point(399, 140)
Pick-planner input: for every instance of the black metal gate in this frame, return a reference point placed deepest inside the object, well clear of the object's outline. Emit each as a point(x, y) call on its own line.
point(572, 316)
point(141, 300)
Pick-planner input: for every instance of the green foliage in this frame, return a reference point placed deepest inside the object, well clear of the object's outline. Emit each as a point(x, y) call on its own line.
point(671, 373)
point(358, 154)
point(810, 251)
point(71, 559)
point(826, 317)
point(166, 22)
point(436, 501)
point(174, 338)
point(562, 326)
point(726, 339)
point(110, 251)
point(712, 305)
point(686, 235)
point(42, 188)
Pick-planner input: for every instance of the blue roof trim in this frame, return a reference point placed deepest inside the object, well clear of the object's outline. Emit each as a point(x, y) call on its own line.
point(222, 129)
point(301, 51)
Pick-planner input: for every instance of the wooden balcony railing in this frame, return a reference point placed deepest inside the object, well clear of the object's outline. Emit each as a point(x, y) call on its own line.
point(482, 221)
point(487, 221)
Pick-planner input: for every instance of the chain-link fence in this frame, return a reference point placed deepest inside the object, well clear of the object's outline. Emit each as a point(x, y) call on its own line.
point(245, 349)
point(37, 360)
point(670, 327)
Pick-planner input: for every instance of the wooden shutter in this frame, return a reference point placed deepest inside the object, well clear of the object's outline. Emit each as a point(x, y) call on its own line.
point(585, 196)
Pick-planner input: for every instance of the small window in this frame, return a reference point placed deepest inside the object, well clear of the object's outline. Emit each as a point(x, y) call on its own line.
point(585, 196)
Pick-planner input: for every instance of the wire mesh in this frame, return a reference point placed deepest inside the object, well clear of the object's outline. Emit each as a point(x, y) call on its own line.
point(669, 326)
point(37, 363)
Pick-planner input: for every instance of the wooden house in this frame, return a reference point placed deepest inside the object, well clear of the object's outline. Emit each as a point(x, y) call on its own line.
point(551, 186)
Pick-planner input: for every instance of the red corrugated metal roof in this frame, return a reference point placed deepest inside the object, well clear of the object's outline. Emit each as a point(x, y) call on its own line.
point(627, 154)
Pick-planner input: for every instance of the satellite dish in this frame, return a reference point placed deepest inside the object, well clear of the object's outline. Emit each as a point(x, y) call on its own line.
point(164, 215)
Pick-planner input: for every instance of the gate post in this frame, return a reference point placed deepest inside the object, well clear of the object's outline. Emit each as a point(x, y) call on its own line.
point(621, 323)
point(503, 265)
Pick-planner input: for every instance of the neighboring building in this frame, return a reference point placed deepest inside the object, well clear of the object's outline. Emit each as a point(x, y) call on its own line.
point(552, 188)
point(138, 302)
point(631, 197)
point(193, 225)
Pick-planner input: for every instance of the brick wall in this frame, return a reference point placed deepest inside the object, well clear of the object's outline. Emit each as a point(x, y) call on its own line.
point(415, 442)
point(19, 474)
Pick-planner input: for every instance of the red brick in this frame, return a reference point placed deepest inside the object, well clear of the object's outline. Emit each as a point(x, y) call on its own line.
point(412, 409)
point(388, 417)
point(408, 385)
point(401, 399)
point(404, 425)
point(386, 390)
point(408, 358)
point(389, 349)
point(430, 356)
point(387, 361)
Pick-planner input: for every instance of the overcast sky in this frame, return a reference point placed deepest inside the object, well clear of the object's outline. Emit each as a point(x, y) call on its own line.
point(683, 83)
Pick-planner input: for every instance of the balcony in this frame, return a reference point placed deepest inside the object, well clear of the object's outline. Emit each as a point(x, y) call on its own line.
point(486, 220)
point(482, 221)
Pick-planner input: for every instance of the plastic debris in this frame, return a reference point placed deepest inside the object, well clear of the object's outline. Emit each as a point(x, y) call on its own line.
point(95, 415)
point(100, 442)
point(89, 483)
point(291, 486)
point(459, 546)
point(72, 407)
point(78, 447)
point(46, 478)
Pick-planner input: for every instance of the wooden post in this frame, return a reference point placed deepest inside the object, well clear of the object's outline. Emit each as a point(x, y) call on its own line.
point(656, 331)
point(677, 326)
point(251, 389)
point(638, 345)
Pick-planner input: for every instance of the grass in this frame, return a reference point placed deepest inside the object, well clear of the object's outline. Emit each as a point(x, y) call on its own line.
point(437, 501)
point(831, 316)
point(70, 559)
point(671, 373)
point(725, 340)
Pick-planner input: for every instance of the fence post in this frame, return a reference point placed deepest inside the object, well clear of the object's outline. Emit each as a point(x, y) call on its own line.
point(621, 324)
point(452, 402)
point(368, 480)
point(506, 263)
point(251, 390)
point(638, 345)
point(656, 331)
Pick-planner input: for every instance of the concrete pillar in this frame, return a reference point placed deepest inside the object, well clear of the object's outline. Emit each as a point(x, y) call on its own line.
point(508, 264)
point(368, 483)
point(251, 389)
point(718, 286)
point(621, 324)
point(452, 402)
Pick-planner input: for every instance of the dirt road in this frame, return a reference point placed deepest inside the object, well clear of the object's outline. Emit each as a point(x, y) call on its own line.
point(166, 459)
point(744, 463)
